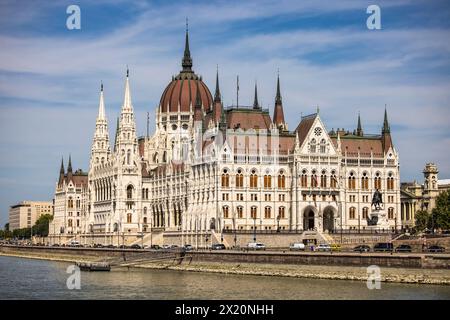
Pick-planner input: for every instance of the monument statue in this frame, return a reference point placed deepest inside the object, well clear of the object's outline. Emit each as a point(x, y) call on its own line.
point(377, 199)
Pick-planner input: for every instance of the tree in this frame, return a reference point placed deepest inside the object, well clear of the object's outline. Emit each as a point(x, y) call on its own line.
point(422, 220)
point(441, 213)
point(7, 226)
point(41, 226)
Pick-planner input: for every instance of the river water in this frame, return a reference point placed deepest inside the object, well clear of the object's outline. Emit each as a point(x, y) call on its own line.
point(40, 279)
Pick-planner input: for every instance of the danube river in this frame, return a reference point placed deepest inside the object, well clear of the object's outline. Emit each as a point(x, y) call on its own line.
point(40, 279)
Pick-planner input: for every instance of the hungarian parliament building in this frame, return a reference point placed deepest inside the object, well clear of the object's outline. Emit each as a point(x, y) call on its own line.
point(210, 170)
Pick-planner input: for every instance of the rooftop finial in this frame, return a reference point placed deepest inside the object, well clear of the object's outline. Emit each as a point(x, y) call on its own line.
point(386, 128)
point(278, 96)
point(101, 85)
point(359, 130)
point(186, 63)
point(128, 72)
point(217, 96)
point(255, 102)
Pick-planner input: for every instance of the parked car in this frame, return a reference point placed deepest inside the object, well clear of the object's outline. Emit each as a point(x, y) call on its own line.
point(155, 247)
point(383, 247)
point(97, 245)
point(335, 247)
point(188, 247)
point(436, 249)
point(324, 247)
point(256, 246)
point(110, 246)
point(135, 246)
point(362, 248)
point(166, 246)
point(297, 246)
point(173, 246)
point(218, 246)
point(403, 248)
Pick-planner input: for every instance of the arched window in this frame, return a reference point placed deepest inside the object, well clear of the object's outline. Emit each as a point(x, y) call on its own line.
point(351, 181)
point(225, 179)
point(145, 220)
point(225, 212)
point(390, 181)
point(391, 213)
point(314, 179)
point(365, 181)
point(333, 182)
point(312, 146)
point(145, 211)
point(253, 212)
point(70, 203)
point(130, 192)
point(253, 180)
point(240, 212)
point(377, 181)
point(304, 179)
point(323, 179)
point(267, 212)
point(129, 217)
point(281, 212)
point(239, 179)
point(365, 212)
point(352, 212)
point(267, 181)
point(281, 180)
point(323, 146)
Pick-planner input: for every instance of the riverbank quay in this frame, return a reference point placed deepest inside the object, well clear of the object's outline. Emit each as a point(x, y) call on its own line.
point(400, 268)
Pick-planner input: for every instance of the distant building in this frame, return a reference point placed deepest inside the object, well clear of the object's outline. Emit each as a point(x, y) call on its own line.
point(415, 196)
point(25, 213)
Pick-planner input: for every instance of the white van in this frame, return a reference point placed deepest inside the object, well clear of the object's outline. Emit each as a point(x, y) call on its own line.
point(256, 246)
point(297, 246)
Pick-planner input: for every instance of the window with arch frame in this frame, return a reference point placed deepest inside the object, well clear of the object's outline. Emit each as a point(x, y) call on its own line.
point(253, 212)
point(253, 179)
point(225, 212)
point(281, 212)
point(239, 179)
point(129, 217)
point(323, 146)
point(267, 181)
point(267, 212)
point(391, 213)
point(352, 181)
point(352, 213)
point(377, 181)
point(225, 179)
point(281, 180)
point(304, 179)
point(312, 146)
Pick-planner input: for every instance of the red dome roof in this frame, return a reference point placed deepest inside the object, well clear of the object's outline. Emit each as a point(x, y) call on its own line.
point(182, 92)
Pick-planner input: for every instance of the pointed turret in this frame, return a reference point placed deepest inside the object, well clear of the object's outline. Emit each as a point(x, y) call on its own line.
point(198, 113)
point(186, 63)
point(117, 133)
point(100, 144)
point(217, 106)
point(386, 139)
point(255, 101)
point(359, 130)
point(69, 169)
point(61, 172)
point(126, 145)
point(278, 114)
point(217, 96)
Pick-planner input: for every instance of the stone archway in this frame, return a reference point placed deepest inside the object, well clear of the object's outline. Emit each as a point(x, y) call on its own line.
point(308, 218)
point(328, 219)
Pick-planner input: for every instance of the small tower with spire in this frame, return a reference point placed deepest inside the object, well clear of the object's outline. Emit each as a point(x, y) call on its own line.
point(61, 173)
point(186, 62)
point(386, 139)
point(255, 101)
point(126, 140)
point(359, 130)
point(217, 105)
point(69, 169)
point(278, 114)
point(100, 150)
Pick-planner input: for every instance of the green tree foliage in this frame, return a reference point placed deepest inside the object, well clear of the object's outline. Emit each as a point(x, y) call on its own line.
point(441, 213)
point(422, 220)
point(41, 226)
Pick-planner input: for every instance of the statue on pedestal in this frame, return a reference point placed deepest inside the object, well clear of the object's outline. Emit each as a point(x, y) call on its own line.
point(377, 200)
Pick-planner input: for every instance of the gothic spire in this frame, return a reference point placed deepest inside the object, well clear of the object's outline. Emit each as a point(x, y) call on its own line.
point(117, 133)
point(69, 166)
point(278, 96)
point(217, 96)
point(187, 60)
point(278, 114)
point(359, 131)
point(127, 97)
point(198, 113)
point(386, 127)
point(101, 106)
point(255, 102)
point(61, 170)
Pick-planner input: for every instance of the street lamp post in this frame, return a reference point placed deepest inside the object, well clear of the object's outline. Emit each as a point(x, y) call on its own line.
point(254, 229)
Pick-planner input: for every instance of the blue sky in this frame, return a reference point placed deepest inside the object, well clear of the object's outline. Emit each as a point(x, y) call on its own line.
point(50, 76)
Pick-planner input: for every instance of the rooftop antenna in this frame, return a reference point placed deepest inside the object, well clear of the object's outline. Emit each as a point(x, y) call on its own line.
point(237, 92)
point(148, 122)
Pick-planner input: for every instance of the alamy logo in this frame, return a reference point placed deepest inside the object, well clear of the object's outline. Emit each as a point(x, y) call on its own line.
point(374, 20)
point(374, 277)
point(74, 280)
point(74, 20)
